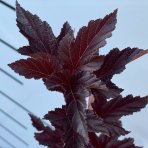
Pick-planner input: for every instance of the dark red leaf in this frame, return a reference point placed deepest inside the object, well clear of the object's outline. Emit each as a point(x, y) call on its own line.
point(39, 33)
point(112, 123)
point(119, 106)
point(111, 142)
point(110, 111)
point(91, 38)
point(115, 61)
point(36, 67)
point(46, 136)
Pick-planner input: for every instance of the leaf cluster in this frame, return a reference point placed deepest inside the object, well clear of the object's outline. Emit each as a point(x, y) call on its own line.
point(73, 66)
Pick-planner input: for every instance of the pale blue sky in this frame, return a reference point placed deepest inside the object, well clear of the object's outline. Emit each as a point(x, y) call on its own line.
point(132, 30)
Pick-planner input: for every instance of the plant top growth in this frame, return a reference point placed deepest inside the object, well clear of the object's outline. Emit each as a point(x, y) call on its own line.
point(74, 66)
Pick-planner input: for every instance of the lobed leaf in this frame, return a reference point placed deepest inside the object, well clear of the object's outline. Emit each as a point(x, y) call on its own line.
point(111, 142)
point(39, 66)
point(112, 123)
point(46, 135)
point(39, 33)
point(115, 61)
point(91, 38)
point(119, 106)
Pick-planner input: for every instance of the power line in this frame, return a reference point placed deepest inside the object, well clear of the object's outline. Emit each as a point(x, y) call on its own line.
point(13, 134)
point(7, 5)
point(13, 119)
point(7, 44)
point(15, 102)
point(7, 142)
point(20, 105)
point(12, 77)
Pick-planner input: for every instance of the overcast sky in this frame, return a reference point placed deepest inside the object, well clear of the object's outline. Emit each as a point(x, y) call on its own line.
point(131, 30)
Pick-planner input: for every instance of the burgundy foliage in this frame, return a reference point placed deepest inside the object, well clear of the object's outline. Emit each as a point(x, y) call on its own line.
point(73, 66)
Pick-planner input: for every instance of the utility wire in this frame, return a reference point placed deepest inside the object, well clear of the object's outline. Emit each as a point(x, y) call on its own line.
point(13, 119)
point(14, 135)
point(7, 5)
point(20, 105)
point(12, 77)
point(15, 102)
point(8, 45)
point(7, 142)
